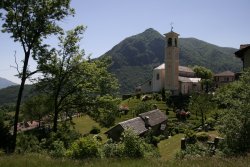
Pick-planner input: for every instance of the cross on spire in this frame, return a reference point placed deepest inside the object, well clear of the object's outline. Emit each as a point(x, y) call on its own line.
point(171, 24)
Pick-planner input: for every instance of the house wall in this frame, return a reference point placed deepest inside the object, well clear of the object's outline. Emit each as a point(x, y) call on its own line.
point(158, 82)
point(221, 80)
point(146, 87)
point(246, 63)
point(115, 133)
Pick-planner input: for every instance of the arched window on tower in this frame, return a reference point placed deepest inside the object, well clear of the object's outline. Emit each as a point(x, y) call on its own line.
point(169, 41)
point(175, 42)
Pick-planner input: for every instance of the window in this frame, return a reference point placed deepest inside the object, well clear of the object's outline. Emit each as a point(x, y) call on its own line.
point(158, 76)
point(169, 41)
point(175, 42)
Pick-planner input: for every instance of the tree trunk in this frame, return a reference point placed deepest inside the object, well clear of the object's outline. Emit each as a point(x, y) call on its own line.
point(56, 112)
point(19, 99)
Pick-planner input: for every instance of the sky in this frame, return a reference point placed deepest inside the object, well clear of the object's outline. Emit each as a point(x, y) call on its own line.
point(221, 22)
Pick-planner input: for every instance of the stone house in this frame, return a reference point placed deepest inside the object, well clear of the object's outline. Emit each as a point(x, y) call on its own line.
point(154, 120)
point(244, 54)
point(223, 78)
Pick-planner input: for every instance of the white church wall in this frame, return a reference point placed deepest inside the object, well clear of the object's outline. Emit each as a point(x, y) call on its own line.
point(158, 79)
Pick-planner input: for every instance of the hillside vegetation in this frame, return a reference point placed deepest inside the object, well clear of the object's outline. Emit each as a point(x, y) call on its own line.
point(134, 58)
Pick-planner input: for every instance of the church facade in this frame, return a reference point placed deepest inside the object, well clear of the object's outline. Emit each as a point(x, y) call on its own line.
point(170, 75)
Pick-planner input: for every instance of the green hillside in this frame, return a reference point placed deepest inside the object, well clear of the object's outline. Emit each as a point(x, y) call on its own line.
point(9, 94)
point(134, 58)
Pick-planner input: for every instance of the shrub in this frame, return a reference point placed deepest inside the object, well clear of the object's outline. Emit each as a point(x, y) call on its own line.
point(211, 122)
point(190, 136)
point(133, 145)
point(113, 150)
point(27, 143)
point(203, 136)
point(57, 149)
point(85, 147)
point(95, 130)
point(192, 150)
point(142, 107)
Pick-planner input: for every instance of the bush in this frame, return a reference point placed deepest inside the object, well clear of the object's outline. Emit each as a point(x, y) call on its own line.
point(85, 147)
point(190, 136)
point(57, 149)
point(27, 143)
point(211, 122)
point(113, 150)
point(142, 107)
point(95, 130)
point(192, 150)
point(203, 136)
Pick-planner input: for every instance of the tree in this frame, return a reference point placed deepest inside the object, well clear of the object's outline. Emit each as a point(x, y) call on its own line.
point(36, 108)
point(29, 22)
point(206, 76)
point(235, 122)
point(72, 82)
point(201, 103)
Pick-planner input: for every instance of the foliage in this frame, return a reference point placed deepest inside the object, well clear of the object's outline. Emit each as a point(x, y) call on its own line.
point(72, 82)
point(27, 143)
point(36, 108)
point(206, 76)
point(142, 107)
point(192, 151)
point(57, 149)
point(190, 136)
point(95, 130)
point(202, 136)
point(113, 150)
point(107, 109)
point(201, 104)
point(85, 147)
point(5, 137)
point(235, 121)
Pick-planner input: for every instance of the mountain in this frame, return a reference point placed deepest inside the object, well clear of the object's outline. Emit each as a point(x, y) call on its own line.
point(134, 58)
point(9, 94)
point(5, 83)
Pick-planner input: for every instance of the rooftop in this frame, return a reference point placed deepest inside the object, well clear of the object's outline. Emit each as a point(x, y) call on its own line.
point(225, 73)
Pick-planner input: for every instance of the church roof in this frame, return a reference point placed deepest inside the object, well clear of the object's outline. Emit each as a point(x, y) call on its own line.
point(181, 68)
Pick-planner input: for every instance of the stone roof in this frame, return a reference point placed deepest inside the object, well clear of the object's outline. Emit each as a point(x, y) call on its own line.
point(154, 117)
point(225, 74)
point(136, 124)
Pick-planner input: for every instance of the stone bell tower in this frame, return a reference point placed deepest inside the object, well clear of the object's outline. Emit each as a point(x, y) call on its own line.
point(172, 52)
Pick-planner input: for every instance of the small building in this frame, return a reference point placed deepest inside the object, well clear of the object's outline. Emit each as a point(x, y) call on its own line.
point(223, 78)
point(244, 54)
point(155, 120)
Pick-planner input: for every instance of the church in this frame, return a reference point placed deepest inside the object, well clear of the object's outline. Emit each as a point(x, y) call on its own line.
point(170, 75)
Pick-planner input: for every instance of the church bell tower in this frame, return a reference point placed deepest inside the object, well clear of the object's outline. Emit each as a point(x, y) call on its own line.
point(172, 52)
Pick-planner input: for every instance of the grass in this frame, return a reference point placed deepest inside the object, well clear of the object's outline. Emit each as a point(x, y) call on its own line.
point(169, 147)
point(84, 124)
point(36, 160)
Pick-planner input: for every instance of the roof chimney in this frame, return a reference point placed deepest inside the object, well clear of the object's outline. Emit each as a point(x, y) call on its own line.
point(147, 121)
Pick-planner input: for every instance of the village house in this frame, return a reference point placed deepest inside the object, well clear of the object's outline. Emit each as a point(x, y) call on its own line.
point(170, 75)
point(223, 78)
point(154, 120)
point(244, 54)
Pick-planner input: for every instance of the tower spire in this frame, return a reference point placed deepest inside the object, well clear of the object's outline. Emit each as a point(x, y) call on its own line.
point(171, 24)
